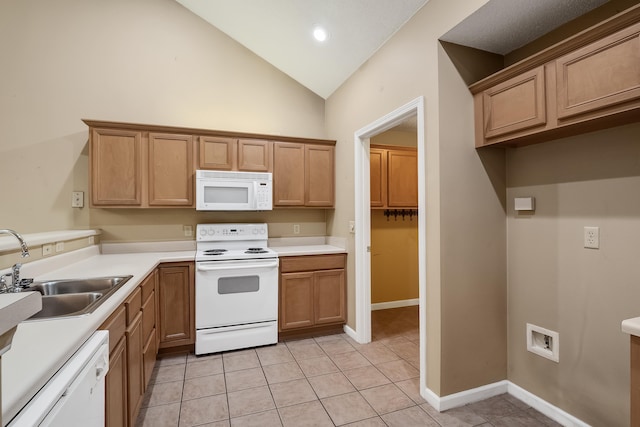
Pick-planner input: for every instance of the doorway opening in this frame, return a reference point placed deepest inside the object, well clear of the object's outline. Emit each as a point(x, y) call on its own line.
point(362, 143)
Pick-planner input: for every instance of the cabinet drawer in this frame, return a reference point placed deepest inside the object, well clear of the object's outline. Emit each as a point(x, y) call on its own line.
point(148, 285)
point(133, 305)
point(311, 263)
point(116, 324)
point(149, 315)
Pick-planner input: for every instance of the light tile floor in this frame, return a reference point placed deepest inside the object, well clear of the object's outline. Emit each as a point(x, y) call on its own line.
point(326, 381)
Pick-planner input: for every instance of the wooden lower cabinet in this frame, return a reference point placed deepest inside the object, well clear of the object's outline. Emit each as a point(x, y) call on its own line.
point(132, 353)
point(176, 306)
point(116, 381)
point(312, 293)
point(135, 386)
point(635, 381)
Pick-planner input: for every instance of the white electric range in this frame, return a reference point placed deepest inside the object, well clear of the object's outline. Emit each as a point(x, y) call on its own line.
point(236, 287)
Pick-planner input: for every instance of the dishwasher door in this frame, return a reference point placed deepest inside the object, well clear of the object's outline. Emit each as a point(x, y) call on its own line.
point(75, 395)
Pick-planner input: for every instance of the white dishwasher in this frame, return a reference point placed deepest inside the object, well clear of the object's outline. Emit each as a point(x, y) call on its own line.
point(74, 396)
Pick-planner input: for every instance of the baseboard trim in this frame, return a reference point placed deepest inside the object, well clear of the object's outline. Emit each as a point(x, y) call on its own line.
point(484, 392)
point(465, 397)
point(541, 405)
point(351, 333)
point(394, 304)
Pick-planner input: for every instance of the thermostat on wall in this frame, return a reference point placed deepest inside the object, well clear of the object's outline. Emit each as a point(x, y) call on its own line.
point(525, 203)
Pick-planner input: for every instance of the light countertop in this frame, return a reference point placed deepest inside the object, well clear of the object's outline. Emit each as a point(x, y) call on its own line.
point(307, 250)
point(41, 347)
point(631, 326)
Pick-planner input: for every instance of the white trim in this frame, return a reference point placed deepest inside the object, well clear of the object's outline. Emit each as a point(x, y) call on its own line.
point(541, 405)
point(395, 304)
point(350, 332)
point(363, 223)
point(484, 392)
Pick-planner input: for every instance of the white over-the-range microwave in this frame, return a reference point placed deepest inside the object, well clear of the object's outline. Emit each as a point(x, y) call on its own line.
point(233, 191)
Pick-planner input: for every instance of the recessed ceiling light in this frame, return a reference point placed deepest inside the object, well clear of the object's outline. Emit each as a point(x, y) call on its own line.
point(320, 34)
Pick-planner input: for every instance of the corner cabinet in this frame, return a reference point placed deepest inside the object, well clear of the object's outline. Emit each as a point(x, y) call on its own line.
point(312, 294)
point(588, 82)
point(176, 304)
point(393, 177)
point(303, 175)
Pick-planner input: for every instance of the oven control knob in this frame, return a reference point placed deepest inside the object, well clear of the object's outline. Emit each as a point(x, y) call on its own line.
point(203, 232)
point(211, 232)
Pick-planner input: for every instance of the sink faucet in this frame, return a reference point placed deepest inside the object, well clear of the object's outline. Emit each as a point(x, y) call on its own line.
point(16, 282)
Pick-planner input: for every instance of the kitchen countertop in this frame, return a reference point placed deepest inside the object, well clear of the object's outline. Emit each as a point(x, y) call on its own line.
point(41, 347)
point(307, 250)
point(631, 326)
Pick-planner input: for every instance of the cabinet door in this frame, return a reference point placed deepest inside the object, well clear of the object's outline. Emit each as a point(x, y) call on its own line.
point(318, 175)
point(402, 180)
point(329, 297)
point(116, 167)
point(378, 177)
point(296, 300)
point(602, 74)
point(135, 385)
point(176, 321)
point(254, 155)
point(116, 387)
point(515, 105)
point(149, 358)
point(170, 170)
point(217, 153)
point(288, 174)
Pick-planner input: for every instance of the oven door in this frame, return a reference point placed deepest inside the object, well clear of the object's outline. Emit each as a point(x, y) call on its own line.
point(236, 292)
point(225, 195)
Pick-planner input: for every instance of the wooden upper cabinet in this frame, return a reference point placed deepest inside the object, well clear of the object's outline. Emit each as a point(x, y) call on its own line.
point(288, 174)
point(603, 74)
point(393, 174)
point(319, 175)
point(378, 177)
point(303, 174)
point(249, 155)
point(116, 167)
point(517, 104)
point(254, 155)
point(171, 170)
point(402, 181)
point(217, 153)
point(584, 83)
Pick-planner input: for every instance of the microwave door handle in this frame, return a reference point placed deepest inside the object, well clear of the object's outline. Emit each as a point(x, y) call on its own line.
point(213, 267)
point(255, 194)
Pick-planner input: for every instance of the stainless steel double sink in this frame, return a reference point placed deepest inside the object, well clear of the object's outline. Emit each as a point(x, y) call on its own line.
point(74, 297)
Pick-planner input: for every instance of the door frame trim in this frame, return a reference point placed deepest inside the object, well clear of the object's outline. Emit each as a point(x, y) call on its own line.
point(362, 137)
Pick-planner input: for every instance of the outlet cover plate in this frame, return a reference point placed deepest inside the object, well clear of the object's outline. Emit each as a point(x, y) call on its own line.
point(592, 237)
point(543, 342)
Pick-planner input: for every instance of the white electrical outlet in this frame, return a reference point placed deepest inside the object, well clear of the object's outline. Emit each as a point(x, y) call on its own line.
point(188, 230)
point(59, 246)
point(77, 199)
point(47, 250)
point(296, 228)
point(91, 240)
point(592, 237)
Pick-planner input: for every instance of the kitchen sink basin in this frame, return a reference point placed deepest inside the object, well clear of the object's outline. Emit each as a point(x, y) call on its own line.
point(67, 305)
point(74, 286)
point(74, 297)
